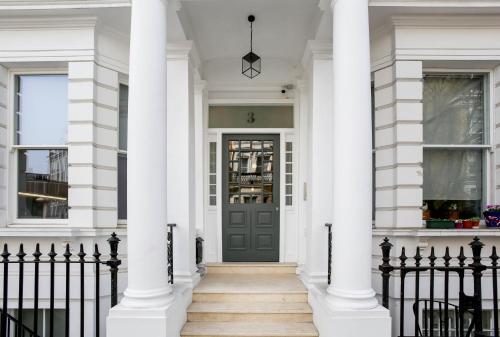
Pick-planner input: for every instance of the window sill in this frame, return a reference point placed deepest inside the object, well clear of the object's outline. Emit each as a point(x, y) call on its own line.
point(425, 232)
point(56, 231)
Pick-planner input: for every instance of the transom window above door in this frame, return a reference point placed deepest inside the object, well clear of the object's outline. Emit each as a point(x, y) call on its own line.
point(231, 116)
point(250, 171)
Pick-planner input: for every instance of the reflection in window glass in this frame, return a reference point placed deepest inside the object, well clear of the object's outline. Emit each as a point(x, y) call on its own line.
point(123, 118)
point(454, 114)
point(122, 186)
point(43, 184)
point(453, 109)
point(43, 316)
point(42, 109)
point(122, 151)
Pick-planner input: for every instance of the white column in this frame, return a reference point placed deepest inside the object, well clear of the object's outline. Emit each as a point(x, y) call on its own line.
point(143, 310)
point(352, 158)
point(181, 160)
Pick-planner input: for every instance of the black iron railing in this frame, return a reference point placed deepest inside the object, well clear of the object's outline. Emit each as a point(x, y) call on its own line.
point(18, 326)
point(434, 315)
point(330, 248)
point(170, 251)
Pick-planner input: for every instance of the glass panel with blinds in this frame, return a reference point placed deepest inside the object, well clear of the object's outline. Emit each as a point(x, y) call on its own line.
point(122, 151)
point(289, 173)
point(212, 174)
point(41, 127)
point(455, 143)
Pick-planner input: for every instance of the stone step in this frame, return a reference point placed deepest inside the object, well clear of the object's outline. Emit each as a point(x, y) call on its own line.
point(249, 329)
point(250, 288)
point(298, 312)
point(251, 268)
point(251, 297)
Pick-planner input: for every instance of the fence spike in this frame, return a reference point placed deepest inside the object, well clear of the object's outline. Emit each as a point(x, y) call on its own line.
point(417, 257)
point(21, 254)
point(494, 256)
point(432, 257)
point(52, 254)
point(461, 257)
point(67, 253)
point(81, 254)
point(96, 254)
point(403, 257)
point(5, 253)
point(37, 253)
point(447, 257)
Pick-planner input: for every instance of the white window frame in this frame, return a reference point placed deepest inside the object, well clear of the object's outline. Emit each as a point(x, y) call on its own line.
point(488, 183)
point(13, 149)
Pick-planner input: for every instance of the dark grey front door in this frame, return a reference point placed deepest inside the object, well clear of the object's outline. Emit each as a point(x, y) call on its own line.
point(250, 198)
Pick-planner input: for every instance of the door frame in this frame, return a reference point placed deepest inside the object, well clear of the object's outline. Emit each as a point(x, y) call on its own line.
point(276, 179)
point(282, 132)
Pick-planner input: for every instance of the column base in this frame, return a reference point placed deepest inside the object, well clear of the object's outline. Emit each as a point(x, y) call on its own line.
point(163, 321)
point(189, 279)
point(361, 300)
point(337, 322)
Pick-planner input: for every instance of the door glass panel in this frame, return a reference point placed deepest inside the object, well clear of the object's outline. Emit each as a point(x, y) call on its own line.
point(249, 171)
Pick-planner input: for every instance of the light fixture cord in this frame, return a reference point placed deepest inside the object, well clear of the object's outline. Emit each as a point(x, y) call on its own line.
point(251, 36)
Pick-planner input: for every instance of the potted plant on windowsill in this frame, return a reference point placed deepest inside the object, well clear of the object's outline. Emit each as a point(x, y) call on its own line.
point(492, 216)
point(471, 223)
point(440, 224)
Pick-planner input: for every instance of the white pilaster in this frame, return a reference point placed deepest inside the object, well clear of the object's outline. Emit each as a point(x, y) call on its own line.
point(398, 145)
point(3, 146)
point(351, 299)
point(200, 124)
point(92, 140)
point(318, 190)
point(145, 306)
point(181, 160)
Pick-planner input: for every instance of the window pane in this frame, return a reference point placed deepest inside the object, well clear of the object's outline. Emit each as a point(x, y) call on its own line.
point(453, 109)
point(123, 118)
point(122, 186)
point(453, 183)
point(42, 106)
point(43, 184)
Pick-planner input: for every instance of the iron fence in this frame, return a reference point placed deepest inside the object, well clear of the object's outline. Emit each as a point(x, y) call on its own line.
point(11, 326)
point(449, 312)
point(330, 249)
point(170, 250)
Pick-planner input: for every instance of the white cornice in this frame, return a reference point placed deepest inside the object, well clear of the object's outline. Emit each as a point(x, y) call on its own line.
point(317, 50)
point(435, 3)
point(460, 21)
point(61, 4)
point(56, 22)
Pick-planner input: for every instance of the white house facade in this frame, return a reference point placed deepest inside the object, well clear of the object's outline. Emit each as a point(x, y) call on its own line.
point(375, 116)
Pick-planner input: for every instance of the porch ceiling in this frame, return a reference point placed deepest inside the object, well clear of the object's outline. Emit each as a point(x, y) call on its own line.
point(221, 31)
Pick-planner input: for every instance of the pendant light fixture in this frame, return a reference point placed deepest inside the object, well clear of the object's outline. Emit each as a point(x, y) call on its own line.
point(251, 62)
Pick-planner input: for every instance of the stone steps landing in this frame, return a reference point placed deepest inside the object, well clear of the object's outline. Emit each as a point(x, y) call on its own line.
point(250, 299)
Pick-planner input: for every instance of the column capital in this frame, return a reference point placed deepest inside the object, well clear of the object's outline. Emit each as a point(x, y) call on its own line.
point(317, 50)
point(184, 50)
point(200, 85)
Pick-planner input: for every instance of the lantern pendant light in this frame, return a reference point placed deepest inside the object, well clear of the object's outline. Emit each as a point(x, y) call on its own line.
point(251, 62)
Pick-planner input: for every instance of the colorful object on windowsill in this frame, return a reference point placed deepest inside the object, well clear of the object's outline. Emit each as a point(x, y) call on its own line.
point(492, 216)
point(440, 224)
point(470, 223)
